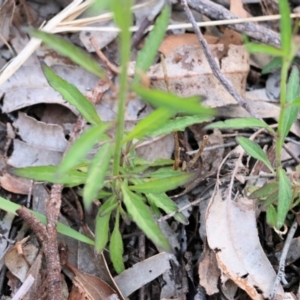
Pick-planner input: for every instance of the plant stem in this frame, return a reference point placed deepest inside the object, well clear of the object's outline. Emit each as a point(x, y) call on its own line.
point(123, 18)
point(279, 140)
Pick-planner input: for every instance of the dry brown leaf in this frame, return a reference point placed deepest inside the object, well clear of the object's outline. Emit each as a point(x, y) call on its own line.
point(190, 74)
point(232, 235)
point(15, 184)
point(236, 7)
point(173, 41)
point(209, 272)
point(86, 286)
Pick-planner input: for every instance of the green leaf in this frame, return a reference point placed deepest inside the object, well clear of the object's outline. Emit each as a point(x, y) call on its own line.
point(81, 147)
point(150, 123)
point(255, 151)
point(116, 247)
point(271, 199)
point(65, 48)
point(266, 49)
point(274, 64)
point(61, 228)
point(163, 202)
point(179, 124)
point(284, 197)
point(147, 54)
point(108, 206)
point(142, 216)
point(160, 186)
point(173, 103)
point(285, 26)
point(71, 94)
point(49, 174)
point(96, 175)
point(164, 172)
point(102, 224)
point(271, 216)
point(238, 123)
point(290, 113)
point(264, 191)
point(296, 103)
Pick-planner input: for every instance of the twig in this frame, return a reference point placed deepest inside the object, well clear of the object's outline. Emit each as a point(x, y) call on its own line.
point(172, 214)
point(214, 67)
point(218, 12)
point(284, 253)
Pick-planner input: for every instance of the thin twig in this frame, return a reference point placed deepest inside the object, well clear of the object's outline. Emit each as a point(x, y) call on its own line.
point(284, 253)
point(214, 67)
point(172, 214)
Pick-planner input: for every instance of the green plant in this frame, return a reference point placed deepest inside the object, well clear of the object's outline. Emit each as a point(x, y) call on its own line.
point(127, 186)
point(283, 194)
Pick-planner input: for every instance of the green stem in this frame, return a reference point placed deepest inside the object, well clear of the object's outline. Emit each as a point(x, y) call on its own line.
point(283, 85)
point(123, 18)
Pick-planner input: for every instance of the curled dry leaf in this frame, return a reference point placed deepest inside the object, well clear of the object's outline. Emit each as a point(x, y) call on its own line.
point(86, 286)
point(19, 259)
point(232, 235)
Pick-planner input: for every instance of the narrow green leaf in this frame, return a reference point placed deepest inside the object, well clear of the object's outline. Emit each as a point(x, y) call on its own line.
point(271, 216)
point(101, 232)
point(102, 225)
point(290, 113)
point(285, 26)
point(264, 191)
point(238, 123)
point(266, 49)
point(255, 151)
point(142, 216)
point(164, 172)
point(147, 54)
point(65, 48)
point(271, 199)
point(163, 202)
point(274, 64)
point(160, 186)
point(284, 197)
point(108, 206)
point(81, 147)
point(71, 94)
point(296, 103)
point(150, 123)
point(96, 175)
point(172, 102)
point(179, 124)
point(116, 247)
point(61, 228)
point(49, 174)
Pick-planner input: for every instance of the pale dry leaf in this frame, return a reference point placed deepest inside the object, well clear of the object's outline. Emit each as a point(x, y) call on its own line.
point(102, 38)
point(143, 272)
point(208, 271)
point(232, 235)
point(25, 155)
point(6, 15)
point(173, 286)
point(39, 134)
point(17, 263)
point(189, 73)
point(5, 227)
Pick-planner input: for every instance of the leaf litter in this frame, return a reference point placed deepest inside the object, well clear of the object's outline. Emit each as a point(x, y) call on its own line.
point(228, 246)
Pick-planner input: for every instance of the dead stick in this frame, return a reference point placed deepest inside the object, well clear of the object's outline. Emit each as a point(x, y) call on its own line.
point(218, 12)
point(214, 67)
point(283, 258)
